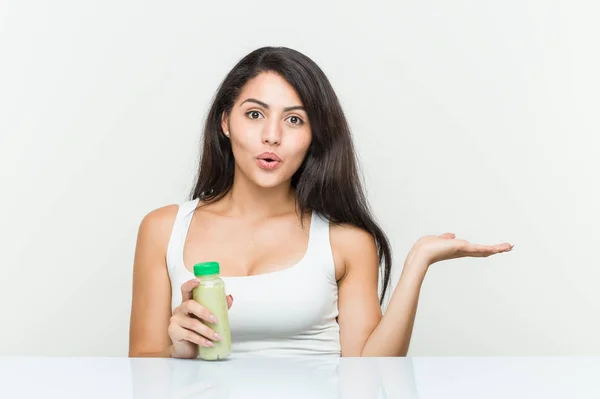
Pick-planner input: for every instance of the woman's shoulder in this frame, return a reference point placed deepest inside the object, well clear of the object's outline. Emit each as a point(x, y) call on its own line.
point(161, 216)
point(352, 245)
point(157, 224)
point(350, 237)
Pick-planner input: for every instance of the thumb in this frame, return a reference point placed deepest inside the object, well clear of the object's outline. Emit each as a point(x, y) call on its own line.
point(229, 301)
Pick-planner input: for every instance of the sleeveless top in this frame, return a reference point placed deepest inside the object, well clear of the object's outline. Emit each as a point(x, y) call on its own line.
point(290, 312)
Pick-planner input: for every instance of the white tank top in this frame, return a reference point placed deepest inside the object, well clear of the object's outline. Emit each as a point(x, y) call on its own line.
point(290, 312)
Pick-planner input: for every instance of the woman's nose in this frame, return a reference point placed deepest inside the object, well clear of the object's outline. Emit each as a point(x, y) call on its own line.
point(272, 134)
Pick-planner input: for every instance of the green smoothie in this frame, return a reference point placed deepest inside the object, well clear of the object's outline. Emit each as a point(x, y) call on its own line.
point(210, 293)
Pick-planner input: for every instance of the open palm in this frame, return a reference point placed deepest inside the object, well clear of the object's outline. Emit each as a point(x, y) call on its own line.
point(446, 246)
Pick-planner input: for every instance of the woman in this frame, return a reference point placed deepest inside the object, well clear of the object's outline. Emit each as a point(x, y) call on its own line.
point(279, 204)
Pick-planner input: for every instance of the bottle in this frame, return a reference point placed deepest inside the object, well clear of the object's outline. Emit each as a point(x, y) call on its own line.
point(210, 293)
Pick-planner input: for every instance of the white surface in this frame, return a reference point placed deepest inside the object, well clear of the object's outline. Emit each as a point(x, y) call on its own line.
point(360, 378)
point(476, 117)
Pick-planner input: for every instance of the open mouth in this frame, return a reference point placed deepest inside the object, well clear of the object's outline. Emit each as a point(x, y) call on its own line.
point(268, 162)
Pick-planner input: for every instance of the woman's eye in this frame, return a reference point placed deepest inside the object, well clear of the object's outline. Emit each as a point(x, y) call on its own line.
point(254, 114)
point(295, 120)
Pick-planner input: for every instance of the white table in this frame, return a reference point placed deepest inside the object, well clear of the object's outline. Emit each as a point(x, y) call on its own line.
point(361, 378)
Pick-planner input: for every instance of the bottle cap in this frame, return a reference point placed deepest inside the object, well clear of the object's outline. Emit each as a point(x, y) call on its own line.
point(206, 268)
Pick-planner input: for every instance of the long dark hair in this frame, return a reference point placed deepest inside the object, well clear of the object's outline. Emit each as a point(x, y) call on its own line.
point(328, 180)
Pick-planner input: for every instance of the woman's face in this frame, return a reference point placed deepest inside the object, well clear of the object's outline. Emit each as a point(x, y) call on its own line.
point(269, 131)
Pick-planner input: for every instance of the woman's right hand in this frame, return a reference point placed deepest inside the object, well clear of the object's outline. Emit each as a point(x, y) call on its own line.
point(186, 328)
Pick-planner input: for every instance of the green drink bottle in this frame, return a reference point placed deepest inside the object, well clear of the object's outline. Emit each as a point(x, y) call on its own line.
point(210, 293)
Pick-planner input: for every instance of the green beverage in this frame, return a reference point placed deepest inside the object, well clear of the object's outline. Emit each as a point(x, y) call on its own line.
point(210, 293)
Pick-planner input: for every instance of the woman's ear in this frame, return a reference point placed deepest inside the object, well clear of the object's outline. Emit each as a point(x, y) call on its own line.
point(225, 124)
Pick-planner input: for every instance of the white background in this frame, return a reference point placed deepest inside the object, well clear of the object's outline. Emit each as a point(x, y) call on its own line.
point(476, 117)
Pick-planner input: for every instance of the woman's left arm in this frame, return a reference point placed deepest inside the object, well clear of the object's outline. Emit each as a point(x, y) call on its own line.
point(363, 331)
point(392, 335)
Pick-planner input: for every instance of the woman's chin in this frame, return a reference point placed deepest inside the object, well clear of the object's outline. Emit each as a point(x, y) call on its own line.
point(272, 181)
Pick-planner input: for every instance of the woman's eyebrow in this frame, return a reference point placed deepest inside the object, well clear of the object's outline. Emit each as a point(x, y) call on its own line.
point(266, 106)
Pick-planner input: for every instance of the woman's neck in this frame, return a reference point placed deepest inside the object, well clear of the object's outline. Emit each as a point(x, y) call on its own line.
point(249, 200)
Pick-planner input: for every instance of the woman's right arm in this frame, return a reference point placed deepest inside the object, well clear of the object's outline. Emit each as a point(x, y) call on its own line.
point(151, 299)
point(154, 330)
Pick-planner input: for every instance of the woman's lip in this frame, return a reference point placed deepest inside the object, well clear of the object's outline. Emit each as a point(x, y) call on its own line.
point(264, 164)
point(269, 155)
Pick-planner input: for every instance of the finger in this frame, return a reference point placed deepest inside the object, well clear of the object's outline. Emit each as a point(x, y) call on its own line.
point(195, 325)
point(229, 301)
point(179, 333)
point(448, 236)
point(192, 307)
point(187, 287)
point(486, 250)
point(500, 247)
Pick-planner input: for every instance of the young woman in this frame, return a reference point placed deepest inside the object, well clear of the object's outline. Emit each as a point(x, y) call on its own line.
point(278, 203)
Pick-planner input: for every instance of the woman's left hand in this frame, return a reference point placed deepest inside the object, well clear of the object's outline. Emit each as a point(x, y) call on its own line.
point(431, 249)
